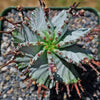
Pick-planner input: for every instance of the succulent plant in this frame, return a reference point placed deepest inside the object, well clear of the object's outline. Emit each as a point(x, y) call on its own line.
point(46, 52)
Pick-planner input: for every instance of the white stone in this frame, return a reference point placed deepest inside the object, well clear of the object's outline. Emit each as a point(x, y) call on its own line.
point(4, 96)
point(13, 70)
point(20, 98)
point(4, 69)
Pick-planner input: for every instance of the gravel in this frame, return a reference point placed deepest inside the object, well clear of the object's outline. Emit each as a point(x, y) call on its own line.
point(12, 86)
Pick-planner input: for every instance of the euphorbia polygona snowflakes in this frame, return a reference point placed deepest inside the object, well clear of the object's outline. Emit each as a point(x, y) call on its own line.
point(46, 51)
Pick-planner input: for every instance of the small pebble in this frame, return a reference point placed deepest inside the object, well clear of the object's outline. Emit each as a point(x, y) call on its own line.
point(14, 78)
point(10, 91)
point(4, 68)
point(7, 78)
point(22, 77)
point(4, 96)
point(13, 70)
point(20, 98)
point(22, 85)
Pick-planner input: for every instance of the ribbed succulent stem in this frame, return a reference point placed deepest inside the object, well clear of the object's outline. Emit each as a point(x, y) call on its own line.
point(46, 50)
point(32, 60)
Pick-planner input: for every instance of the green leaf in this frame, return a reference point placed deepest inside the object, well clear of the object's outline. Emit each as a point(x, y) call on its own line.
point(41, 74)
point(39, 70)
point(38, 20)
point(28, 35)
point(17, 37)
point(30, 49)
point(58, 22)
point(22, 65)
point(75, 53)
point(66, 73)
point(74, 36)
point(22, 59)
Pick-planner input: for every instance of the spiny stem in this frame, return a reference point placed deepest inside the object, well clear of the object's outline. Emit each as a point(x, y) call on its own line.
point(26, 79)
point(94, 34)
point(73, 7)
point(96, 30)
point(13, 22)
point(77, 5)
point(4, 18)
point(12, 53)
point(20, 8)
point(21, 28)
point(40, 2)
point(6, 32)
point(11, 61)
point(27, 70)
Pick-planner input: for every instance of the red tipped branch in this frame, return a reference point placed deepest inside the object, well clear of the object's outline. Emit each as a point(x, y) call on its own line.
point(39, 90)
point(68, 90)
point(12, 53)
point(96, 30)
point(43, 95)
point(40, 2)
point(44, 87)
point(79, 83)
point(73, 7)
point(6, 32)
point(29, 84)
point(57, 87)
point(13, 22)
point(78, 92)
point(93, 68)
point(94, 34)
point(4, 18)
point(12, 61)
point(26, 71)
point(26, 79)
point(96, 63)
point(82, 67)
